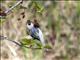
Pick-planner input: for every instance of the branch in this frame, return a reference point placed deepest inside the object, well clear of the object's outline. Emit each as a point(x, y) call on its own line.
point(17, 43)
point(13, 6)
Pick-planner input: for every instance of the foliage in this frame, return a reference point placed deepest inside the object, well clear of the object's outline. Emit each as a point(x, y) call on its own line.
point(36, 7)
point(34, 43)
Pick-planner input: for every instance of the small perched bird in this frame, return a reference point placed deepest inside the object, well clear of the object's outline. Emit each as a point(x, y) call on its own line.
point(35, 31)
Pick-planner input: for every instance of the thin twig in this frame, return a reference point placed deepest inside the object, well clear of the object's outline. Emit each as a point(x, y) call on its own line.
point(13, 6)
point(19, 44)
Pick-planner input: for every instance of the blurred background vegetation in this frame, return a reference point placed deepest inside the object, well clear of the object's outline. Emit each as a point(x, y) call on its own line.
point(59, 21)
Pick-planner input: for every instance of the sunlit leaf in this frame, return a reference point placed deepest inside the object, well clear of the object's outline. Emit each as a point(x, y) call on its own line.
point(26, 41)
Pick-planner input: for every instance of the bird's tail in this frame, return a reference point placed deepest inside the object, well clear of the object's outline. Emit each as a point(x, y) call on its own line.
point(41, 37)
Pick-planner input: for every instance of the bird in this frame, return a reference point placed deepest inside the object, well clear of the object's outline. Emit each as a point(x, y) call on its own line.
point(35, 32)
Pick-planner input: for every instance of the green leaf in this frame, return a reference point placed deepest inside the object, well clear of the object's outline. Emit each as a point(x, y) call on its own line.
point(26, 41)
point(38, 6)
point(38, 43)
point(47, 46)
point(32, 43)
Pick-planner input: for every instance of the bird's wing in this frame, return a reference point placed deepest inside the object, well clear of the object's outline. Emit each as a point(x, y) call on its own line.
point(41, 37)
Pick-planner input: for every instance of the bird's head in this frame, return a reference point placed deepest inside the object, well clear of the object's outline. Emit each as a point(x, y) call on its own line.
point(36, 24)
point(28, 22)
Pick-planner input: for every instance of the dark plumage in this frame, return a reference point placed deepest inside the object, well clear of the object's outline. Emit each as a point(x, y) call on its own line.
point(36, 24)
